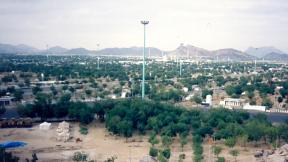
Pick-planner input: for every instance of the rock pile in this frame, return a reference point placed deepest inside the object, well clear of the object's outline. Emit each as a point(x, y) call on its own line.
point(148, 159)
point(279, 155)
point(63, 132)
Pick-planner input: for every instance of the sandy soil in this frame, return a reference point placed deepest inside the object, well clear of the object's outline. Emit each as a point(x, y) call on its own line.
point(100, 145)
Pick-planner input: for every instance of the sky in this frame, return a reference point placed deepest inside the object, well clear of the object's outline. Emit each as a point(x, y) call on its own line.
point(209, 24)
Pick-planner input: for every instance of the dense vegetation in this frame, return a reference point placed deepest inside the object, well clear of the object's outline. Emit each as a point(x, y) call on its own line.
point(163, 80)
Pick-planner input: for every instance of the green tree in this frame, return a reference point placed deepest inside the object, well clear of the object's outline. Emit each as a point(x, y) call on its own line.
point(217, 150)
point(220, 159)
point(43, 103)
point(36, 89)
point(234, 153)
point(230, 142)
point(279, 99)
point(18, 94)
point(53, 90)
point(80, 156)
point(153, 139)
point(243, 139)
point(267, 102)
point(166, 153)
point(88, 92)
point(7, 156)
point(183, 140)
point(166, 141)
point(206, 92)
point(27, 82)
point(153, 152)
point(197, 99)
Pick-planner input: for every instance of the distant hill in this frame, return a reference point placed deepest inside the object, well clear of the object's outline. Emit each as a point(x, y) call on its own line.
point(55, 50)
point(183, 51)
point(190, 51)
point(222, 54)
point(262, 51)
point(276, 57)
point(132, 51)
point(78, 51)
point(18, 49)
point(232, 54)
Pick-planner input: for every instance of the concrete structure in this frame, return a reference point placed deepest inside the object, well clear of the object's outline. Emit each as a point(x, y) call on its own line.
point(6, 100)
point(189, 97)
point(63, 131)
point(232, 103)
point(247, 106)
point(209, 100)
point(44, 126)
point(185, 89)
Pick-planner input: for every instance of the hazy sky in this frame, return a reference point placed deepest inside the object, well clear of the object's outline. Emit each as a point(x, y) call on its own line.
point(210, 24)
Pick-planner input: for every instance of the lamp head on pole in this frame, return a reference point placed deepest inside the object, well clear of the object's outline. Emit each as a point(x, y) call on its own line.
point(144, 22)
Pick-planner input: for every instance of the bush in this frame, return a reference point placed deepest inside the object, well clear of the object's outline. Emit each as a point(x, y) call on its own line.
point(166, 153)
point(80, 156)
point(230, 142)
point(2, 110)
point(197, 147)
point(182, 156)
point(220, 159)
point(153, 152)
point(83, 130)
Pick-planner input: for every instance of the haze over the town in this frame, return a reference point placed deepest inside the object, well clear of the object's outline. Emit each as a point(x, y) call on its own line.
point(208, 24)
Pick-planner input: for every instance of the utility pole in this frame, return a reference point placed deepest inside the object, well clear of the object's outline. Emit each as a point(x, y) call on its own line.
point(98, 57)
point(180, 71)
point(98, 63)
point(255, 65)
point(143, 68)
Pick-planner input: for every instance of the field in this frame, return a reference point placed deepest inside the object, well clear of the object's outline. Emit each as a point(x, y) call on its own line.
point(99, 144)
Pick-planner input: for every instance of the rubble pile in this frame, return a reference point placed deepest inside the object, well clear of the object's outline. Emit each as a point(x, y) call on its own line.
point(148, 159)
point(278, 155)
point(63, 132)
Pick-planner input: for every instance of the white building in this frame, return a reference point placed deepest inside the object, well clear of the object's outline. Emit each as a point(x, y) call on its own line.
point(247, 106)
point(6, 100)
point(185, 89)
point(189, 97)
point(123, 94)
point(45, 126)
point(209, 100)
point(232, 103)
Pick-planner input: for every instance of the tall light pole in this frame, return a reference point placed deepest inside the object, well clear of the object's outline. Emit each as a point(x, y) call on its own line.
point(143, 69)
point(180, 71)
point(98, 57)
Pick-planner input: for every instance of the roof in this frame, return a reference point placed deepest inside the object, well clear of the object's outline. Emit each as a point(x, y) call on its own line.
point(233, 99)
point(5, 98)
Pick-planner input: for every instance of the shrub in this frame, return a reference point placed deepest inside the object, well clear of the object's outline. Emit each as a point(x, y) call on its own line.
point(2, 110)
point(166, 153)
point(153, 152)
point(83, 130)
point(80, 156)
point(220, 159)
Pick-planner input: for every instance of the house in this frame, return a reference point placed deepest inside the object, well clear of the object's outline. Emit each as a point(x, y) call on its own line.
point(185, 89)
point(232, 103)
point(6, 100)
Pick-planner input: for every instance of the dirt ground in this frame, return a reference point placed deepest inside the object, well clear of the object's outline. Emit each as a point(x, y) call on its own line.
point(99, 144)
point(244, 155)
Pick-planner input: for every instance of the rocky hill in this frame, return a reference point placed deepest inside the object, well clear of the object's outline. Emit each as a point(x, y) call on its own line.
point(262, 51)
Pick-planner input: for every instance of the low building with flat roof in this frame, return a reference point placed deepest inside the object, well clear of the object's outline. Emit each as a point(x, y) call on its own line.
point(232, 103)
point(6, 100)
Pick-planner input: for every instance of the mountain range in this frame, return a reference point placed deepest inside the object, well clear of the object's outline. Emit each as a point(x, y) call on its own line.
point(183, 51)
